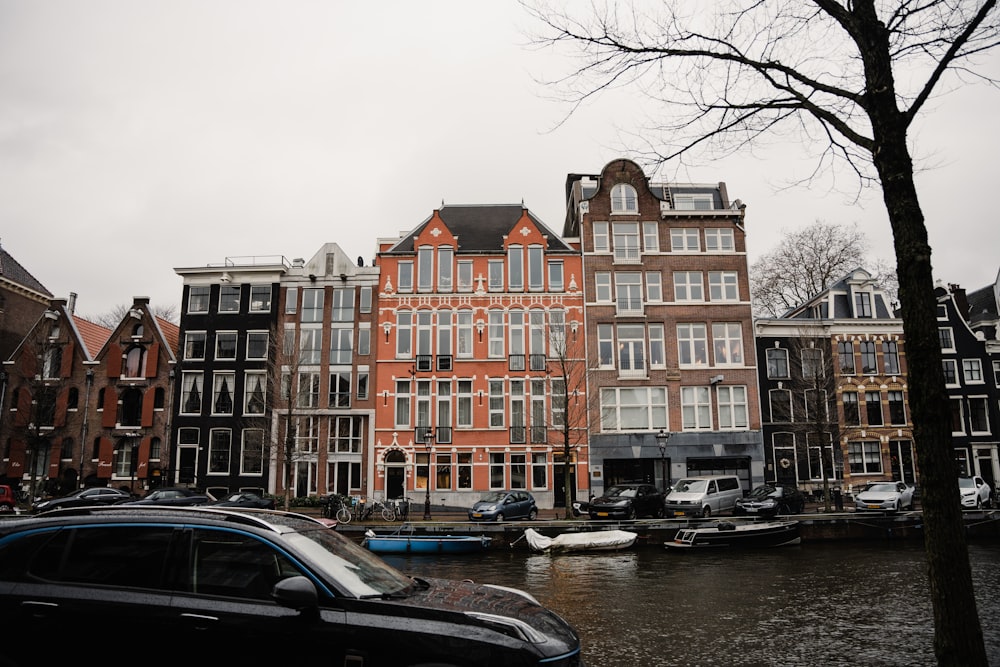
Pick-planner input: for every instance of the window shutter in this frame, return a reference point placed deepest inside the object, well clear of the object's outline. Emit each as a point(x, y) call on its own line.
point(113, 360)
point(62, 399)
point(148, 401)
point(142, 471)
point(66, 368)
point(152, 355)
point(105, 454)
point(110, 408)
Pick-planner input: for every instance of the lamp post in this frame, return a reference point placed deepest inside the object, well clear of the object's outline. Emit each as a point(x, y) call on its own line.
point(428, 437)
point(661, 442)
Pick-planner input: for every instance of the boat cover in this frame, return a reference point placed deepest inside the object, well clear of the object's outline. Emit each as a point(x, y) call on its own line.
point(598, 540)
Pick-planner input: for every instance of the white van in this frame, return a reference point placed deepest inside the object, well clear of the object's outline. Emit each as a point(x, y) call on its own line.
point(703, 496)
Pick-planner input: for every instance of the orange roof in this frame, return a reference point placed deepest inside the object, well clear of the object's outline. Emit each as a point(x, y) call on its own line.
point(171, 332)
point(94, 335)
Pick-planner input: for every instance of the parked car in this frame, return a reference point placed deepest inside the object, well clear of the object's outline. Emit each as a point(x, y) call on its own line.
point(94, 495)
point(885, 497)
point(771, 500)
point(703, 496)
point(975, 492)
point(245, 499)
point(7, 501)
point(241, 587)
point(174, 496)
point(627, 501)
point(504, 505)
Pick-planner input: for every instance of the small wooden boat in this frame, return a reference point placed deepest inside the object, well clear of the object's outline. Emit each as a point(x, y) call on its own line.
point(597, 540)
point(750, 535)
point(425, 544)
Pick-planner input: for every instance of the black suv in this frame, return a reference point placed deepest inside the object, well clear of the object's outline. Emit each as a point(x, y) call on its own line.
point(166, 586)
point(628, 501)
point(771, 500)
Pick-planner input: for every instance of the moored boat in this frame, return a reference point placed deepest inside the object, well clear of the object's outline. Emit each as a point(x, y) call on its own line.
point(730, 534)
point(425, 544)
point(597, 540)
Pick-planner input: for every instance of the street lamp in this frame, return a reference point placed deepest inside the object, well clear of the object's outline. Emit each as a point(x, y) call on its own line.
point(428, 437)
point(661, 442)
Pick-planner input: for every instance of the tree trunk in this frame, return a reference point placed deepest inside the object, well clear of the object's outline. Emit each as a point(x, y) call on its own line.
point(958, 636)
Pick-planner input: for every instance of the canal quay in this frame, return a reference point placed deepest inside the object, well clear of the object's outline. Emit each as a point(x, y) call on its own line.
point(814, 526)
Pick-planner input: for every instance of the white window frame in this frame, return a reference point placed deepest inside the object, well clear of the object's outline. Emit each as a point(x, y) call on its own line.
point(624, 199)
point(734, 414)
point(719, 239)
point(692, 345)
point(696, 408)
point(723, 286)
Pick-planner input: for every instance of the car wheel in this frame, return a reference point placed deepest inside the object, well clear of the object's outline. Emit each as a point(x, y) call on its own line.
point(532, 514)
point(706, 512)
point(499, 517)
point(630, 513)
point(979, 503)
point(658, 513)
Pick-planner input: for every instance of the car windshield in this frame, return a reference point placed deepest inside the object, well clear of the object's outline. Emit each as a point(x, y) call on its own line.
point(966, 483)
point(493, 497)
point(762, 492)
point(240, 496)
point(881, 488)
point(621, 492)
point(691, 486)
point(359, 571)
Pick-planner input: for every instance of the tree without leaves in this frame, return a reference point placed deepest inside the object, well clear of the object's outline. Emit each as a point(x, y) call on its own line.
point(112, 318)
point(847, 80)
point(806, 262)
point(568, 368)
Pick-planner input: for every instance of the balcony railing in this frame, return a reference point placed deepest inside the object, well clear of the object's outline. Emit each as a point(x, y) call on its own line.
point(515, 362)
point(444, 362)
point(539, 435)
point(425, 362)
point(536, 362)
point(518, 435)
point(627, 255)
point(629, 306)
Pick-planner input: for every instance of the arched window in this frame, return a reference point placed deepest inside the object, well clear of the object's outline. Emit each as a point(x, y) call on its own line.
point(624, 199)
point(135, 362)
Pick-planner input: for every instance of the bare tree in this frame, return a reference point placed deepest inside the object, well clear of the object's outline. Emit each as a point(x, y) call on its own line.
point(806, 262)
point(110, 319)
point(846, 80)
point(568, 373)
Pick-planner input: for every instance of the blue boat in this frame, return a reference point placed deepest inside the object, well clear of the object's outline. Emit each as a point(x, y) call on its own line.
point(396, 543)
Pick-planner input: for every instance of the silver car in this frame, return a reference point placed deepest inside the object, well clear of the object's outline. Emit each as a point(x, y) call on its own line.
point(975, 492)
point(885, 497)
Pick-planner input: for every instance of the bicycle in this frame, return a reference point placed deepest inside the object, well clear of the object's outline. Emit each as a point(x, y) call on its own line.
point(337, 507)
point(388, 512)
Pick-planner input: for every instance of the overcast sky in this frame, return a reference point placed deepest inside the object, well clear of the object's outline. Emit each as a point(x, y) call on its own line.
point(138, 136)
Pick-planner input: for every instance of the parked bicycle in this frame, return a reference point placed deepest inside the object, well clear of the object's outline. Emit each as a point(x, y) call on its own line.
point(372, 506)
point(336, 506)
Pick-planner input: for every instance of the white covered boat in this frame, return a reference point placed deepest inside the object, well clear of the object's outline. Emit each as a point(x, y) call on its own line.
point(597, 540)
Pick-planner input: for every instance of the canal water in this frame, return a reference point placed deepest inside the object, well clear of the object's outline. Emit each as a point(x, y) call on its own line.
point(813, 604)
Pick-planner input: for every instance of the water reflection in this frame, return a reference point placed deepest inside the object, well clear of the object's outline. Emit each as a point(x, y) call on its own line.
point(838, 604)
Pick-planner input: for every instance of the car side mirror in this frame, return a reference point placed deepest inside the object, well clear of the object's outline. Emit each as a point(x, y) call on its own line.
point(296, 593)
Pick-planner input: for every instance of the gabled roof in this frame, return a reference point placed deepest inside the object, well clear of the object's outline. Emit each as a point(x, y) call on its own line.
point(481, 228)
point(171, 333)
point(12, 270)
point(92, 335)
point(835, 302)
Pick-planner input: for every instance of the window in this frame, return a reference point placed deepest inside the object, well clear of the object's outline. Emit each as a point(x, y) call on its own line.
point(862, 304)
point(517, 414)
point(650, 237)
point(464, 407)
point(194, 345)
point(464, 470)
point(996, 373)
point(464, 275)
point(845, 356)
point(341, 346)
point(873, 407)
point(654, 287)
point(852, 413)
point(515, 268)
point(692, 202)
point(979, 421)
point(777, 362)
point(252, 453)
point(443, 413)
point(518, 471)
point(897, 410)
point(539, 471)
point(404, 282)
point(344, 435)
point(812, 363)
point(816, 406)
point(864, 458)
point(220, 441)
point(972, 371)
point(308, 393)
point(442, 471)
point(225, 345)
point(342, 308)
point(685, 240)
point(517, 340)
point(463, 334)
point(605, 346)
point(340, 389)
point(362, 384)
point(536, 273)
point(310, 345)
point(222, 393)
point(402, 403)
point(66, 448)
point(191, 388)
point(254, 393)
point(727, 338)
point(626, 241)
point(425, 269)
point(495, 333)
point(260, 298)
point(229, 299)
point(497, 469)
point(631, 344)
point(365, 299)
point(558, 398)
point(364, 340)
point(628, 293)
point(957, 417)
point(781, 405)
point(869, 362)
point(733, 413)
point(495, 267)
point(946, 339)
point(657, 346)
point(602, 286)
point(696, 409)
point(719, 240)
point(291, 300)
point(633, 408)
point(556, 276)
point(692, 345)
point(601, 237)
point(688, 286)
point(257, 343)
point(950, 368)
point(624, 199)
point(446, 258)
point(723, 286)
point(198, 299)
point(312, 305)
point(496, 405)
point(134, 366)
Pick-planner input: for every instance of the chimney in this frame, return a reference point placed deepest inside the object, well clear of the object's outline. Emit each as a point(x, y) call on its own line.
point(71, 304)
point(961, 300)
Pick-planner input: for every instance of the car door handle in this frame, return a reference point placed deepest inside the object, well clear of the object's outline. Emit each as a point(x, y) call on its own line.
point(38, 608)
point(200, 621)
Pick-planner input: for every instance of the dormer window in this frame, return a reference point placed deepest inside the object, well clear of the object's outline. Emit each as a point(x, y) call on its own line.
point(624, 199)
point(138, 331)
